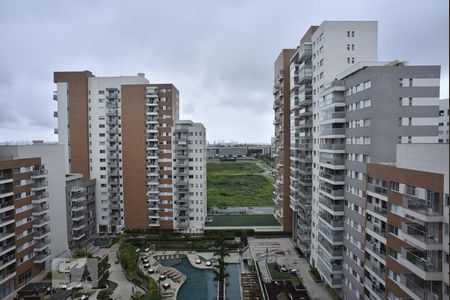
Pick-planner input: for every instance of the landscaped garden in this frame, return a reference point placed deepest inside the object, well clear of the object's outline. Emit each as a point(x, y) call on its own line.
point(238, 184)
point(129, 259)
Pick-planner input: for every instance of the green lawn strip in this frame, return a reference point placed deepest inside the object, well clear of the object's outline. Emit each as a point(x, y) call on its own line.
point(239, 190)
point(276, 275)
point(243, 220)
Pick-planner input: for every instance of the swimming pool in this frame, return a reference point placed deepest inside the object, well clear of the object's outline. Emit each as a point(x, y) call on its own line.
point(200, 284)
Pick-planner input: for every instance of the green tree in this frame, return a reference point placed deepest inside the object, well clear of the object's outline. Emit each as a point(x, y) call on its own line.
point(219, 268)
point(104, 294)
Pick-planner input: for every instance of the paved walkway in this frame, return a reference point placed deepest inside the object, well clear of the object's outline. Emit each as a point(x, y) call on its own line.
point(282, 251)
point(116, 274)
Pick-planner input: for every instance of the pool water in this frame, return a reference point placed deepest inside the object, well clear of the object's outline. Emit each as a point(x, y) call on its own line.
point(200, 284)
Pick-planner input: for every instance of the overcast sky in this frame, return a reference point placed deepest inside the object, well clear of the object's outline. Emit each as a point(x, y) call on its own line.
point(219, 54)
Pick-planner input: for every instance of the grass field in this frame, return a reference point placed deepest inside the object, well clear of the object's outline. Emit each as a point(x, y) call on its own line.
point(238, 184)
point(243, 220)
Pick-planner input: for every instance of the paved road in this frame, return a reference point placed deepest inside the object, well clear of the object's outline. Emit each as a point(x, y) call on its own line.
point(282, 251)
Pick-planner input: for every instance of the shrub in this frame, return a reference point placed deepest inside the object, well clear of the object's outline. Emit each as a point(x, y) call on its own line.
point(104, 294)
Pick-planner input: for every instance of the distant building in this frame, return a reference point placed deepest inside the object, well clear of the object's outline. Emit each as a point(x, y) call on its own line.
point(119, 131)
point(236, 150)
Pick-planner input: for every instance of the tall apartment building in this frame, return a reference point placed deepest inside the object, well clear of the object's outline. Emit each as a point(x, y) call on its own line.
point(361, 110)
point(190, 167)
point(301, 142)
point(336, 46)
point(119, 131)
point(281, 152)
point(80, 212)
point(32, 219)
point(384, 106)
point(407, 229)
point(443, 121)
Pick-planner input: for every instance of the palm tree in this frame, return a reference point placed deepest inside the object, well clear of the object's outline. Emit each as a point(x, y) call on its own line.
point(221, 252)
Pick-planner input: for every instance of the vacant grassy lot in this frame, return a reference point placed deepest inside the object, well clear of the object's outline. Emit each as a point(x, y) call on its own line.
point(243, 220)
point(238, 184)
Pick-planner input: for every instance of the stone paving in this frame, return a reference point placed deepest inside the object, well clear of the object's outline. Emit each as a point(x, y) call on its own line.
point(282, 251)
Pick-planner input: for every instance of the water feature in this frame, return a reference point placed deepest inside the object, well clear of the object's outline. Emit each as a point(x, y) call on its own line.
point(200, 284)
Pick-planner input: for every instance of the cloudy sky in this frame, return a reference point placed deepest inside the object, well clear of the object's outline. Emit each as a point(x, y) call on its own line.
point(219, 54)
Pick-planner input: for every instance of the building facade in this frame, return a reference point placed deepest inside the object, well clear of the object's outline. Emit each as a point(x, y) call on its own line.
point(281, 141)
point(361, 109)
point(301, 135)
point(190, 179)
point(124, 141)
point(80, 210)
point(24, 228)
point(336, 46)
point(407, 245)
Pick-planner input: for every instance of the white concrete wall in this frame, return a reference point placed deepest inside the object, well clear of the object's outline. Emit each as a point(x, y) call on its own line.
point(63, 130)
point(53, 158)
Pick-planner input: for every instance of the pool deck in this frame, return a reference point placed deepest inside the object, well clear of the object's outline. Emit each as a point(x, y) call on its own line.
point(174, 277)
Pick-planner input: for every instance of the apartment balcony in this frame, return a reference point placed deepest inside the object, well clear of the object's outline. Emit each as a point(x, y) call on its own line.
point(41, 233)
point(332, 221)
point(428, 237)
point(331, 191)
point(335, 206)
point(39, 209)
point(419, 289)
point(7, 233)
point(333, 117)
point(377, 269)
point(425, 264)
point(40, 185)
point(332, 161)
point(112, 95)
point(419, 208)
point(333, 265)
point(6, 261)
point(376, 231)
point(6, 221)
point(42, 256)
point(334, 132)
point(111, 112)
point(40, 198)
point(55, 95)
point(114, 130)
point(377, 189)
point(7, 275)
point(41, 221)
point(333, 147)
point(7, 247)
point(152, 111)
point(42, 244)
point(333, 280)
point(375, 290)
point(333, 235)
point(39, 174)
point(380, 211)
point(304, 73)
point(377, 250)
point(334, 251)
point(6, 206)
point(335, 178)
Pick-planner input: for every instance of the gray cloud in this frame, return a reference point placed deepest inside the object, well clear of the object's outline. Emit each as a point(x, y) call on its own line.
point(219, 54)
